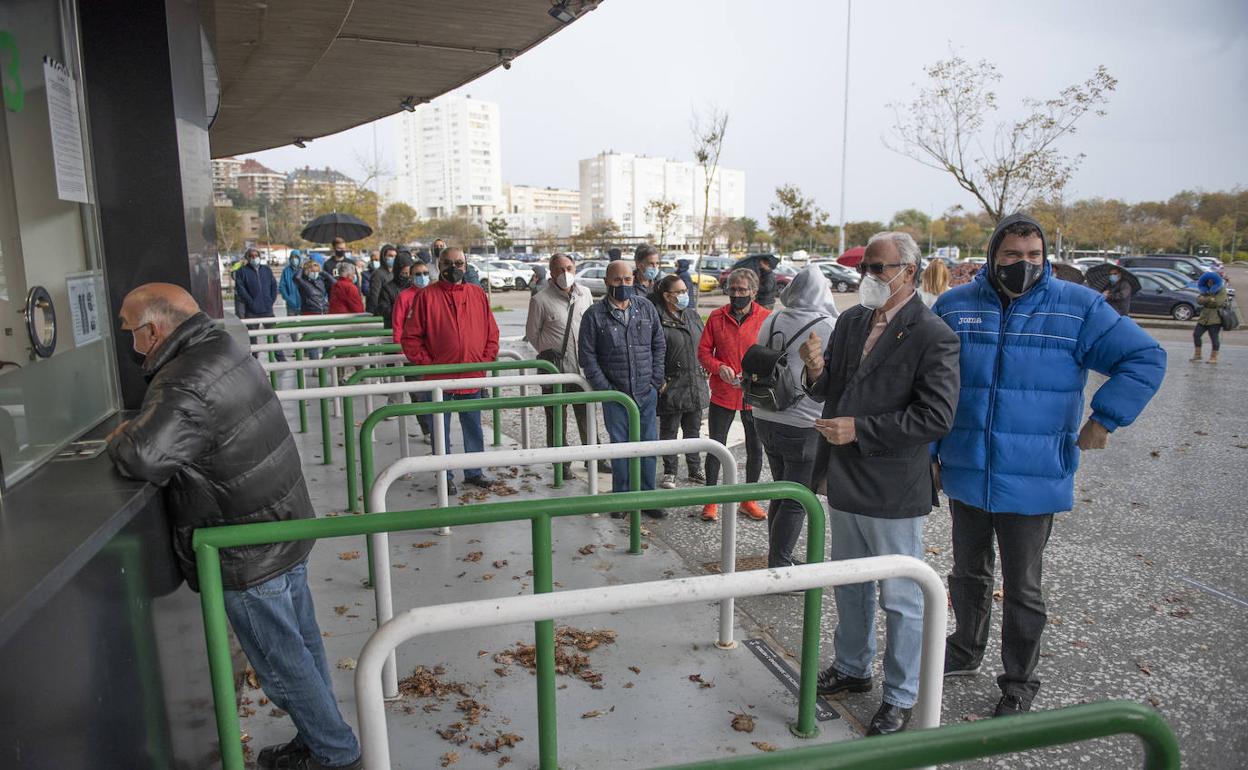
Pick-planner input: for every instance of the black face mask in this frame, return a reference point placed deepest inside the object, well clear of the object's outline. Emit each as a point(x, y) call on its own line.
point(621, 293)
point(453, 275)
point(740, 303)
point(437, 252)
point(1017, 279)
point(402, 281)
point(340, 252)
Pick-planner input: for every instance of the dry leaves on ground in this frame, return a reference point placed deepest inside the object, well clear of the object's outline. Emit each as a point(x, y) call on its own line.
point(586, 550)
point(426, 683)
point(347, 664)
point(341, 609)
point(450, 758)
point(742, 722)
point(1144, 668)
point(349, 555)
point(702, 683)
point(473, 556)
point(425, 544)
point(763, 746)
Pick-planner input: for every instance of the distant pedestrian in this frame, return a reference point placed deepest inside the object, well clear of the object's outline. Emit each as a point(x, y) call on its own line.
point(411, 276)
point(1212, 296)
point(255, 286)
point(686, 277)
point(380, 275)
point(683, 396)
point(645, 269)
point(539, 280)
point(1119, 293)
point(345, 295)
point(766, 283)
point(287, 286)
point(935, 281)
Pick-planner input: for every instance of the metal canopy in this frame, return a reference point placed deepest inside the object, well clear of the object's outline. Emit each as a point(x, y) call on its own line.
point(293, 69)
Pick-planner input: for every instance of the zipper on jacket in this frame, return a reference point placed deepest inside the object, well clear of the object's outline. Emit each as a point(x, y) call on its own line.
point(992, 397)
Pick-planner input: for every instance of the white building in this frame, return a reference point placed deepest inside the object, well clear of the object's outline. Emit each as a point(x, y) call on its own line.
point(621, 187)
point(534, 211)
point(449, 159)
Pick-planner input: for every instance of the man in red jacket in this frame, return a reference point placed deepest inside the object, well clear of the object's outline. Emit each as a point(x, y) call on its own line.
point(450, 323)
point(730, 331)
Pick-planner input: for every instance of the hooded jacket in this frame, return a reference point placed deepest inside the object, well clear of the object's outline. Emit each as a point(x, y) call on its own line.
point(378, 279)
point(388, 293)
point(1024, 366)
point(450, 323)
point(684, 381)
point(1212, 296)
point(724, 343)
point(212, 434)
point(289, 289)
point(807, 297)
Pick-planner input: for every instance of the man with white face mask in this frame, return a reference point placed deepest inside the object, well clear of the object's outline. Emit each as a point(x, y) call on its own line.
point(889, 386)
point(552, 328)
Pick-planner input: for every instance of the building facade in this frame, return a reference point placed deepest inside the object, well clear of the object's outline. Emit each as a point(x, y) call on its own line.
point(255, 181)
point(304, 186)
point(224, 177)
point(622, 187)
point(450, 159)
point(533, 212)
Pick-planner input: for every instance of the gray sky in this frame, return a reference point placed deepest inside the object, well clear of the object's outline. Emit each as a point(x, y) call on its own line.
point(629, 75)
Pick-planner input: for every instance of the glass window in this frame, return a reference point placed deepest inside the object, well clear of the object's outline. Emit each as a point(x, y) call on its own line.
point(50, 242)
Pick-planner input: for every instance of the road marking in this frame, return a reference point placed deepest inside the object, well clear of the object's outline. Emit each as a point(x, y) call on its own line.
point(1214, 591)
point(787, 676)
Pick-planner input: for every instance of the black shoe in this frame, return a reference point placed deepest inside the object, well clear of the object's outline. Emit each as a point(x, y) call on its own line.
point(269, 756)
point(1010, 705)
point(478, 481)
point(832, 682)
point(451, 489)
point(888, 720)
point(697, 477)
point(655, 513)
point(308, 763)
point(957, 667)
point(603, 466)
point(618, 514)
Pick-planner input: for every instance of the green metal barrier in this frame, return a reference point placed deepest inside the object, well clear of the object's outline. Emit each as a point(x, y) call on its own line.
point(313, 336)
point(973, 740)
point(322, 376)
point(209, 541)
point(348, 408)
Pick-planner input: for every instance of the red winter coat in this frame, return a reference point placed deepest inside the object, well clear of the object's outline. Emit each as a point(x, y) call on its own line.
point(345, 297)
point(402, 306)
point(450, 324)
point(724, 341)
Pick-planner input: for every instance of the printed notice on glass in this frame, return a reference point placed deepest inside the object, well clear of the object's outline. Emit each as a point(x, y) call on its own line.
point(83, 307)
point(71, 174)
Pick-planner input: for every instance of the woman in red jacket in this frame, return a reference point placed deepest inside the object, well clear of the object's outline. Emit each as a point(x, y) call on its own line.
point(345, 296)
point(730, 331)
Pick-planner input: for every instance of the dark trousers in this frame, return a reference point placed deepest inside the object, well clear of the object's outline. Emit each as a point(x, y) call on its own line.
point(280, 355)
point(1215, 334)
point(689, 423)
point(719, 419)
point(1021, 541)
point(582, 419)
point(425, 421)
point(791, 457)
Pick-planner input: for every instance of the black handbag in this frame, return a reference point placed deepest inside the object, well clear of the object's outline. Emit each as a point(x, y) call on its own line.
point(1229, 315)
point(556, 356)
point(765, 378)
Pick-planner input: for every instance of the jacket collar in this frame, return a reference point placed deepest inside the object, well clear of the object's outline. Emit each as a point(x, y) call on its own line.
point(894, 333)
point(190, 331)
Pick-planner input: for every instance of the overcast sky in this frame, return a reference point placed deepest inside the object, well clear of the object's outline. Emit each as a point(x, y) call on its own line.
point(628, 76)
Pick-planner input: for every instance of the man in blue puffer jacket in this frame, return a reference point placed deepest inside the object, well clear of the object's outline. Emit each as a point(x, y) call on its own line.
point(1028, 341)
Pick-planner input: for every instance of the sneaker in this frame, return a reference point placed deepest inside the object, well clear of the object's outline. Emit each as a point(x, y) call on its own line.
point(269, 756)
point(427, 439)
point(1009, 705)
point(308, 763)
point(655, 513)
point(478, 481)
point(710, 512)
point(668, 481)
point(833, 682)
point(697, 477)
point(752, 509)
point(569, 473)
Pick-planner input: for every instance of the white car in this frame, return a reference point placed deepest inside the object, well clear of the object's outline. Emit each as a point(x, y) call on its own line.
point(498, 279)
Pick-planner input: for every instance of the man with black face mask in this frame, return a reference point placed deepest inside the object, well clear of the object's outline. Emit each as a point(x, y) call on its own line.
point(1009, 463)
point(338, 256)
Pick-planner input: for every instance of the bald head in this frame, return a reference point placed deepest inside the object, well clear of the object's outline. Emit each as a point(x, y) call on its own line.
point(162, 306)
point(619, 269)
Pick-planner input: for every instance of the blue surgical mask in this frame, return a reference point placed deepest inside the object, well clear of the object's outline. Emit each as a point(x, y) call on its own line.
point(294, 262)
point(651, 273)
point(374, 264)
point(389, 261)
point(421, 280)
point(1113, 277)
point(682, 300)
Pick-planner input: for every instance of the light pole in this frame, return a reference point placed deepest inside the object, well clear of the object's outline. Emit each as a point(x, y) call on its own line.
point(849, 5)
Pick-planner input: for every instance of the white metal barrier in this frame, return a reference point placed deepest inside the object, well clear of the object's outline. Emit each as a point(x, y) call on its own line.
point(316, 363)
point(265, 347)
point(317, 328)
point(321, 316)
point(483, 613)
point(381, 541)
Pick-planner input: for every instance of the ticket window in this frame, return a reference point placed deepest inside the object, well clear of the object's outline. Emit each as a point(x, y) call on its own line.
point(57, 377)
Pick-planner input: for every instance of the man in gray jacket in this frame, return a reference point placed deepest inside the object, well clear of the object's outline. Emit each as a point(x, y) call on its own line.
point(789, 436)
point(889, 386)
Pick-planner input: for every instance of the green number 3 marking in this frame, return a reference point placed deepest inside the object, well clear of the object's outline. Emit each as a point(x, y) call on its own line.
point(10, 73)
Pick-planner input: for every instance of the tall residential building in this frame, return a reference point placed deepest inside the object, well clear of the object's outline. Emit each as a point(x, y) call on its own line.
point(255, 180)
point(621, 187)
point(224, 177)
point(304, 185)
point(533, 211)
point(450, 159)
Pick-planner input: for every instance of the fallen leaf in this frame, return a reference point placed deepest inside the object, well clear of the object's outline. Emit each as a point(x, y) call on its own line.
point(349, 555)
point(1144, 667)
point(586, 550)
point(591, 714)
point(426, 544)
point(762, 745)
point(341, 609)
point(1154, 701)
point(488, 576)
point(628, 685)
point(347, 664)
point(933, 550)
point(971, 717)
point(1081, 644)
point(450, 758)
point(500, 564)
point(634, 669)
point(702, 683)
point(998, 594)
point(473, 556)
point(742, 722)
point(1181, 612)
point(503, 760)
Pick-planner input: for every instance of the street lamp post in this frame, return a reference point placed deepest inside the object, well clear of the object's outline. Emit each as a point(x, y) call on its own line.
point(845, 122)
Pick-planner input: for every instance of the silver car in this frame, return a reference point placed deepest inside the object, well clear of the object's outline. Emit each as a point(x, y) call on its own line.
point(593, 278)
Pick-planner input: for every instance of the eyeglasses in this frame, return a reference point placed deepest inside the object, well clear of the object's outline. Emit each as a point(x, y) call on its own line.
point(739, 292)
point(876, 268)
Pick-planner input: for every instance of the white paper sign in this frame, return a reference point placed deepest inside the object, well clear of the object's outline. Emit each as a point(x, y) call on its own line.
point(71, 174)
point(83, 307)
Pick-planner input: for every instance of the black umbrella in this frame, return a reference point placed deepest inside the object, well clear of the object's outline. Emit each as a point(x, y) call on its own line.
point(752, 261)
point(1068, 273)
point(1098, 277)
point(327, 227)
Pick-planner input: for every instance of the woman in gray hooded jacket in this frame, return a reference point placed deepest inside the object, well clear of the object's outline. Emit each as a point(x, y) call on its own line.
point(789, 438)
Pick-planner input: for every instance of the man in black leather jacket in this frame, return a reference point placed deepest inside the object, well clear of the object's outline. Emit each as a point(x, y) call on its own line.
point(212, 434)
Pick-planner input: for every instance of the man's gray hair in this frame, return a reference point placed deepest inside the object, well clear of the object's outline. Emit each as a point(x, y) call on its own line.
point(743, 274)
point(557, 256)
point(906, 247)
point(163, 314)
point(346, 270)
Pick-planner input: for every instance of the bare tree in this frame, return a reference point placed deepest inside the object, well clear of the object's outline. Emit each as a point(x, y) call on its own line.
point(663, 212)
point(1005, 165)
point(708, 142)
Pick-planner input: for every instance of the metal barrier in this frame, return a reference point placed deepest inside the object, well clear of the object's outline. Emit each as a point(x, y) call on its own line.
point(539, 608)
point(208, 542)
point(972, 740)
point(633, 451)
point(314, 341)
point(275, 329)
point(320, 318)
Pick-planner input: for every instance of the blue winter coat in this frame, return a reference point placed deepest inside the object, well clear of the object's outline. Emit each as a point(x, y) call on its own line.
point(257, 289)
point(614, 357)
point(1012, 447)
point(289, 289)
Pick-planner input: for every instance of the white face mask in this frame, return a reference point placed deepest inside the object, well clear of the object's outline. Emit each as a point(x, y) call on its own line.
point(565, 280)
point(873, 293)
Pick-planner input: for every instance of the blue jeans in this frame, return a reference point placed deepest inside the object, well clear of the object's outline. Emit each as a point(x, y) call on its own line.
point(470, 424)
point(617, 428)
point(855, 536)
point(276, 625)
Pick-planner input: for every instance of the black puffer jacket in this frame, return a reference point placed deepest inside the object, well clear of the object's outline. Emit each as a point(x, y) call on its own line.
point(766, 289)
point(686, 389)
point(388, 294)
point(212, 433)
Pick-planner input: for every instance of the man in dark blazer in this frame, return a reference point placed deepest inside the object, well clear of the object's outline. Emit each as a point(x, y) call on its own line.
point(889, 387)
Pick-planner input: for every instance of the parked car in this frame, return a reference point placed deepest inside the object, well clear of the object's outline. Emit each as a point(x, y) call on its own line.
point(1189, 266)
point(784, 275)
point(501, 276)
point(594, 279)
point(1158, 297)
point(1214, 264)
point(843, 279)
point(1083, 263)
point(1174, 278)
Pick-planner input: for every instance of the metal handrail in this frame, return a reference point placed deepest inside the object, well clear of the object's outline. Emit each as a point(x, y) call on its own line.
point(539, 608)
point(311, 342)
point(208, 541)
point(309, 328)
point(971, 740)
point(379, 544)
point(320, 318)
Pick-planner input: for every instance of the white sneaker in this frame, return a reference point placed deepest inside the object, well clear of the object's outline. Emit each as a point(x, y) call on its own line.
point(668, 481)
